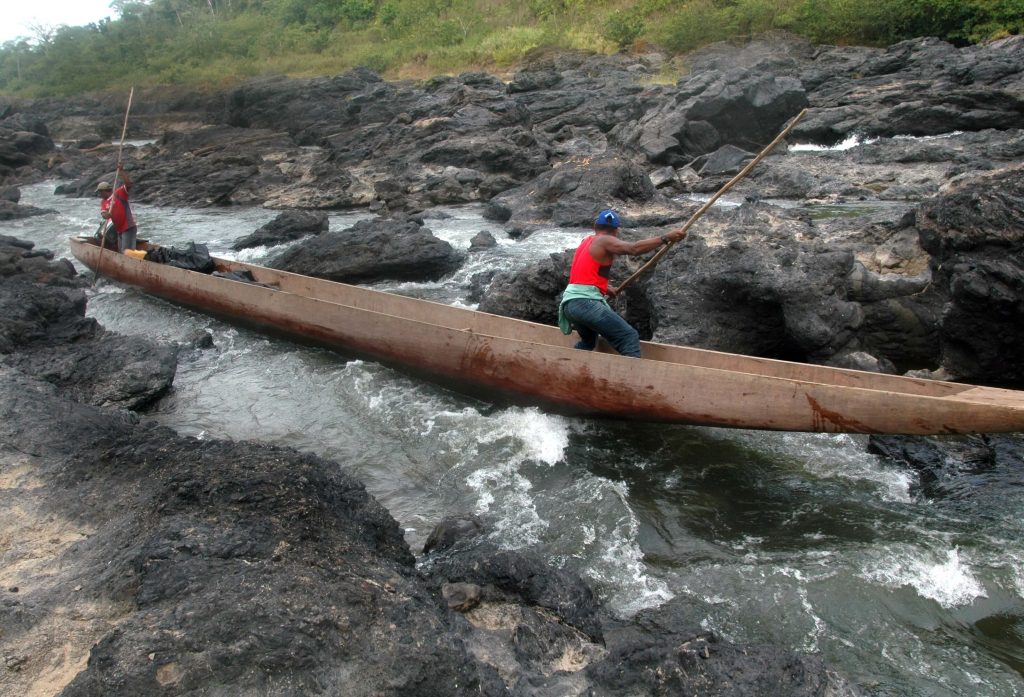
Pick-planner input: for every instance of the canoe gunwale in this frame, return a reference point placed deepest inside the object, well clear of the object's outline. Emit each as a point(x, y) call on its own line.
point(658, 393)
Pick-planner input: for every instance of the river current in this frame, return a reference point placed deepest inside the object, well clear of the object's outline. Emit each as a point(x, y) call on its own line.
point(801, 540)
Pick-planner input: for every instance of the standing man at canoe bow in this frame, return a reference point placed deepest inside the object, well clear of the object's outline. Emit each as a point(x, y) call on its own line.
point(583, 304)
point(114, 208)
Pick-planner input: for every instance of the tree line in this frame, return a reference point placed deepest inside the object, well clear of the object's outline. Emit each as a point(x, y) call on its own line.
point(209, 43)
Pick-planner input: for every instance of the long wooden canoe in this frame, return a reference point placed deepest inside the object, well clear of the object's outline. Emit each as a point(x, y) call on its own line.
point(528, 363)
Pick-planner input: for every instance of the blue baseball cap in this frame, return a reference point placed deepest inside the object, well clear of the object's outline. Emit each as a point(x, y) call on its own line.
point(607, 217)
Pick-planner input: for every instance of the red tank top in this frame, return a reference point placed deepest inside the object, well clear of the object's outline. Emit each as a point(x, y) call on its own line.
point(585, 269)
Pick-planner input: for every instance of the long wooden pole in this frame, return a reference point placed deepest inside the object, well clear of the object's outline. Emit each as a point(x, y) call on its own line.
point(120, 148)
point(711, 201)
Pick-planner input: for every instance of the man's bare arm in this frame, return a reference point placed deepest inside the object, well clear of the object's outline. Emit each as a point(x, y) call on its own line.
point(607, 244)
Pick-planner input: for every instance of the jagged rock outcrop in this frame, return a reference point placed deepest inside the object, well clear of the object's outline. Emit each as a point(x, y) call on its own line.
point(974, 232)
point(286, 227)
point(372, 250)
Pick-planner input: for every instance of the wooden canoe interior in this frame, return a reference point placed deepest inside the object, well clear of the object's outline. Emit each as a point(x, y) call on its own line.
point(430, 312)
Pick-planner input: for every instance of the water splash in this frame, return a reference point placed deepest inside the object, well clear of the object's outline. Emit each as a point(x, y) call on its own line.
point(831, 456)
point(948, 581)
point(848, 143)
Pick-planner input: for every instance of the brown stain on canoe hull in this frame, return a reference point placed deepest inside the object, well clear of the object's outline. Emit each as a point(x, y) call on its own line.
point(826, 420)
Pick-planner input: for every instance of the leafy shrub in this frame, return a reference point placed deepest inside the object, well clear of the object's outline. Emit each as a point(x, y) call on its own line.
point(882, 22)
point(449, 33)
point(624, 26)
point(358, 10)
point(387, 15)
point(694, 25)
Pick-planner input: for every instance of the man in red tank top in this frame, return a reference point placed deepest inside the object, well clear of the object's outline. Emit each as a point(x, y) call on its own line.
point(583, 304)
point(114, 209)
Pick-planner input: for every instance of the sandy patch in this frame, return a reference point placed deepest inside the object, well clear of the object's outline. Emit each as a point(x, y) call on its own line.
point(47, 633)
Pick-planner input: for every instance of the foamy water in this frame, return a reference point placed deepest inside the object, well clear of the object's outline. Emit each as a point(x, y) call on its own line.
point(943, 577)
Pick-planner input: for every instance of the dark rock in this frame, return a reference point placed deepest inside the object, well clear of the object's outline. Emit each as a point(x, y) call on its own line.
point(18, 246)
point(478, 284)
point(737, 107)
point(88, 141)
point(540, 629)
point(521, 578)
point(728, 159)
point(572, 193)
point(39, 315)
point(450, 531)
point(528, 81)
point(974, 469)
point(723, 296)
point(26, 145)
point(14, 211)
point(216, 552)
point(531, 293)
point(461, 597)
point(860, 360)
point(372, 250)
point(513, 152)
point(663, 176)
point(974, 231)
point(17, 119)
point(45, 334)
point(482, 240)
point(109, 370)
point(662, 652)
point(201, 340)
point(656, 642)
point(287, 226)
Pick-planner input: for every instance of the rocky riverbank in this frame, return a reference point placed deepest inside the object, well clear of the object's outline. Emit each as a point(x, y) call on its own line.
point(137, 561)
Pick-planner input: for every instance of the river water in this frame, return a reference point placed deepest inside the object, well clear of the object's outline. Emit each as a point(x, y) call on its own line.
point(800, 540)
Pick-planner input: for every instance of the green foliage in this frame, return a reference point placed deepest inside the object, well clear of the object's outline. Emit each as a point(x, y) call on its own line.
point(449, 33)
point(212, 41)
point(695, 24)
point(388, 14)
point(356, 11)
point(507, 46)
point(624, 26)
point(882, 22)
point(548, 9)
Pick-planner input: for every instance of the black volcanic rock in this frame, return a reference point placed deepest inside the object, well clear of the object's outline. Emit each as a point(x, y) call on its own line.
point(974, 230)
point(373, 250)
point(287, 226)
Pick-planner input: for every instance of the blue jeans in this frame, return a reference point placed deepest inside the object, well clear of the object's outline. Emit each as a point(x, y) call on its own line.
point(593, 317)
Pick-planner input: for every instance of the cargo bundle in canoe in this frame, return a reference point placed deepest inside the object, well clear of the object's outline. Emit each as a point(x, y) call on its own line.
point(504, 359)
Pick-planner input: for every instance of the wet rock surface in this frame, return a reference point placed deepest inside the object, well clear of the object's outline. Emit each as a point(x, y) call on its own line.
point(286, 227)
point(372, 250)
point(970, 471)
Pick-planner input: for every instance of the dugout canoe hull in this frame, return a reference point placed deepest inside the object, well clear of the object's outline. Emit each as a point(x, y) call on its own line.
point(528, 363)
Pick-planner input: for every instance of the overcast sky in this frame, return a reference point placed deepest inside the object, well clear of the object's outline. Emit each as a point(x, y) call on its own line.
point(17, 15)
